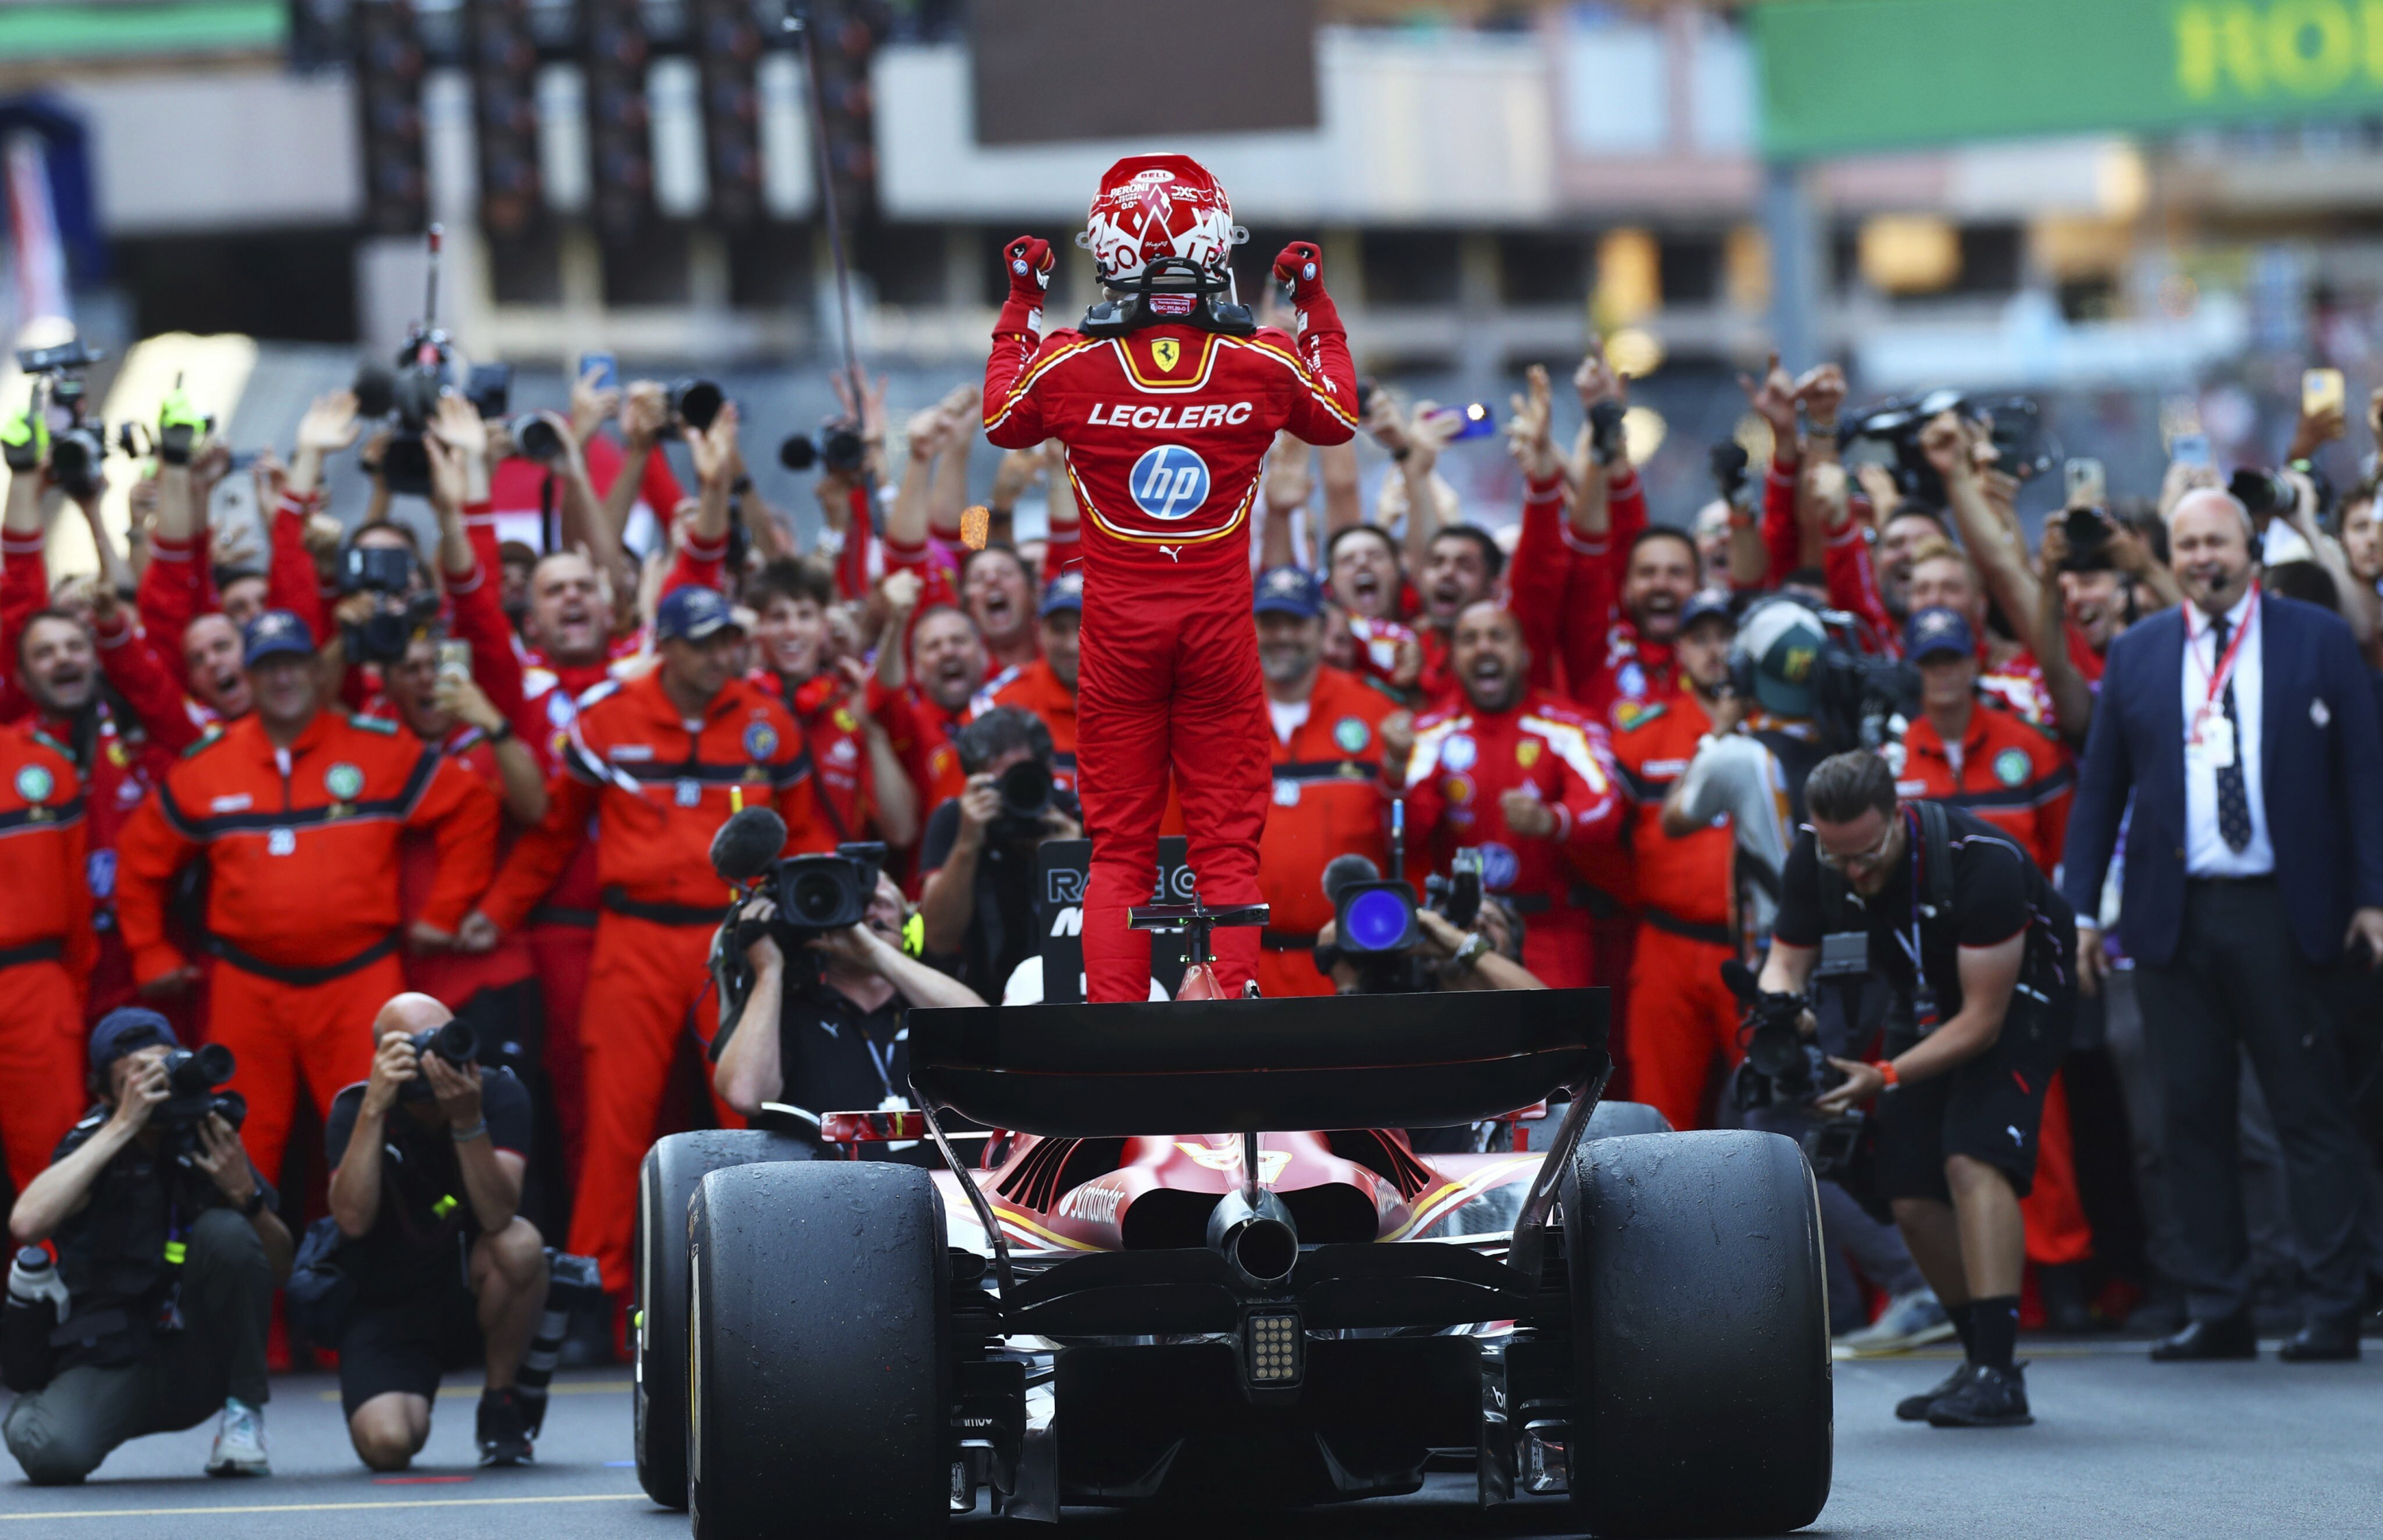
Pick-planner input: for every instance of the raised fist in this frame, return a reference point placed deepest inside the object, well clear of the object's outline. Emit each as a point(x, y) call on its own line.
point(1301, 264)
point(1029, 263)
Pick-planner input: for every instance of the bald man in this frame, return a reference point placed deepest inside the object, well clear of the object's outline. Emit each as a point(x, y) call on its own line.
point(427, 1159)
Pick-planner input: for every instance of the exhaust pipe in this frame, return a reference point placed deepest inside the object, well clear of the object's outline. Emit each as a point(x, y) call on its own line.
point(1258, 1239)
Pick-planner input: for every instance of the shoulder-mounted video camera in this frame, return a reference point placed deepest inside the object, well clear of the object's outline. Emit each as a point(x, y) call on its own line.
point(77, 439)
point(403, 610)
point(1374, 928)
point(1783, 1069)
point(2022, 448)
point(427, 367)
point(813, 894)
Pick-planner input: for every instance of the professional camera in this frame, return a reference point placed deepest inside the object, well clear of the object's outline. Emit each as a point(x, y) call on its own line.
point(426, 368)
point(819, 893)
point(2021, 445)
point(1374, 924)
point(1729, 461)
point(77, 440)
point(1856, 694)
point(2267, 495)
point(1605, 440)
point(837, 448)
point(695, 402)
point(455, 1043)
point(387, 573)
point(192, 1076)
point(535, 438)
point(1025, 789)
point(1782, 1070)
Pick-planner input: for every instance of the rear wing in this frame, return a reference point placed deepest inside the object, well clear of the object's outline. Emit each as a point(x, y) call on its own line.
point(1377, 1061)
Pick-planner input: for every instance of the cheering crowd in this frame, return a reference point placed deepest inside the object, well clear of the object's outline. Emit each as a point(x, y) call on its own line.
point(261, 783)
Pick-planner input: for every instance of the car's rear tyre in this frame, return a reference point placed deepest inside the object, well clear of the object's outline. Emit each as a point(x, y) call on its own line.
point(1701, 1335)
point(671, 1169)
point(1621, 1119)
point(819, 1340)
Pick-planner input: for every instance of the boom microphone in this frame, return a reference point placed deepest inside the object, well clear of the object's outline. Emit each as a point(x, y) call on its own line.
point(1345, 870)
point(746, 843)
point(1739, 981)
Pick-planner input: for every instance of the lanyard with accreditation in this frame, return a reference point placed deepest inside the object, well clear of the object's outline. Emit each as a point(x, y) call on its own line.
point(2211, 736)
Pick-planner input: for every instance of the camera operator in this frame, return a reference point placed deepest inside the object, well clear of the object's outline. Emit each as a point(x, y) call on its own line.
point(977, 901)
point(427, 1163)
point(835, 1042)
point(1487, 956)
point(169, 1249)
point(1979, 945)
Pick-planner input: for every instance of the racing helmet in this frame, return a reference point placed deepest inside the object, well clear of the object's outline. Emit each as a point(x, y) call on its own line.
point(1152, 207)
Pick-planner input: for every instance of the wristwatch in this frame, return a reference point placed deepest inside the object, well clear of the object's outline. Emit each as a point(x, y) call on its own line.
point(498, 734)
point(1469, 954)
point(255, 1204)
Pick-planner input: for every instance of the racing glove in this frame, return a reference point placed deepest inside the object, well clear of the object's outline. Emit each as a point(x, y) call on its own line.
point(1028, 262)
point(1301, 264)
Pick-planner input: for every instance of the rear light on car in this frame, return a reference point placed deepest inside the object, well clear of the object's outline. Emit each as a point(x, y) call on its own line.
point(1274, 1349)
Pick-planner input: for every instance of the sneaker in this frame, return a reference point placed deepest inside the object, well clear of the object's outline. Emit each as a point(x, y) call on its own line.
point(240, 1443)
point(503, 1431)
point(1909, 1321)
point(1914, 1409)
point(1990, 1398)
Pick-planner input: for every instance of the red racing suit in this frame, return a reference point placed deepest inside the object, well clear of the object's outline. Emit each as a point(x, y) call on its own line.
point(1165, 431)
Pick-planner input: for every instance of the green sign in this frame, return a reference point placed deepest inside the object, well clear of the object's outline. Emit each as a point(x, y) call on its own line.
point(1841, 76)
point(85, 31)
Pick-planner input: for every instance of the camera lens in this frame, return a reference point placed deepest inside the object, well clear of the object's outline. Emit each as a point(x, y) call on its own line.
point(535, 438)
point(814, 897)
point(215, 1061)
point(796, 452)
point(1378, 922)
point(695, 403)
point(1025, 789)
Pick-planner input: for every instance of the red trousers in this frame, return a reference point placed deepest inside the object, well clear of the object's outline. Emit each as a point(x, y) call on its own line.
point(2056, 1228)
point(1559, 947)
point(283, 1033)
point(645, 980)
point(1170, 681)
point(41, 1056)
point(1682, 1021)
point(563, 955)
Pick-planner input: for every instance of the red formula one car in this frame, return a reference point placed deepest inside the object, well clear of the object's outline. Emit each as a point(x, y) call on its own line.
point(1094, 1311)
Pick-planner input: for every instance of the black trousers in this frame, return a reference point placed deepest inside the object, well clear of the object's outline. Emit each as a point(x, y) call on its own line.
point(2239, 979)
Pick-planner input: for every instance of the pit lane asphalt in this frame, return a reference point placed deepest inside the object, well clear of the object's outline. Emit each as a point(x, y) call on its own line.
point(2121, 1446)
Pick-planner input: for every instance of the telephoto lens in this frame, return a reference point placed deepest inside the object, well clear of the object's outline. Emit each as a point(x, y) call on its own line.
point(535, 438)
point(455, 1043)
point(695, 402)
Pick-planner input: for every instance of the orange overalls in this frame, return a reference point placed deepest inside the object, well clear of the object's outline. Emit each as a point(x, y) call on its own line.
point(657, 793)
point(302, 909)
point(47, 949)
point(1681, 1020)
point(1331, 798)
point(2017, 777)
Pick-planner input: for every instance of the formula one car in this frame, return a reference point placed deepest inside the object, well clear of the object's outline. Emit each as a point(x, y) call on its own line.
point(1096, 1312)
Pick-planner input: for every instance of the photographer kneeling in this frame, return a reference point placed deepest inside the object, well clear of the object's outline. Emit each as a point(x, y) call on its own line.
point(427, 1160)
point(1978, 947)
point(977, 858)
point(831, 1040)
point(168, 1251)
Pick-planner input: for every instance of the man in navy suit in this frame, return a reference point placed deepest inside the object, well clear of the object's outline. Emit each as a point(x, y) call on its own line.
point(2244, 729)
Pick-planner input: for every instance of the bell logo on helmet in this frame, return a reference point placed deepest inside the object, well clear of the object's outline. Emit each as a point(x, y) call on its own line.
point(1169, 481)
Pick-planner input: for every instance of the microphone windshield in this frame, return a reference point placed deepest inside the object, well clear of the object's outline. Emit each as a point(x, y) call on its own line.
point(1739, 979)
point(746, 843)
point(1344, 869)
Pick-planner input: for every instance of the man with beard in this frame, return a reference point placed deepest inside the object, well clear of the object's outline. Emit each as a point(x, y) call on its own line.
point(997, 593)
point(1524, 778)
point(1461, 569)
point(1331, 794)
point(1046, 688)
point(298, 810)
point(656, 765)
point(863, 790)
point(1659, 577)
point(923, 712)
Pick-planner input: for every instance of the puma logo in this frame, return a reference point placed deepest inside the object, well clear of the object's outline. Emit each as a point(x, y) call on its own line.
point(1174, 553)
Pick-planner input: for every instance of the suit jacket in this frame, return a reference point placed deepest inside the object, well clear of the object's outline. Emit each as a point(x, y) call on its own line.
point(2321, 772)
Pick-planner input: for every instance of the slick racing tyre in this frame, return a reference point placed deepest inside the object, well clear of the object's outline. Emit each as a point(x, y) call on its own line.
point(1621, 1119)
point(1701, 1339)
point(668, 1181)
point(818, 1330)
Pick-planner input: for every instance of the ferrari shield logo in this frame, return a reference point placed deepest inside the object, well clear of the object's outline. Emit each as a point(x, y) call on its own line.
point(1166, 352)
point(1527, 753)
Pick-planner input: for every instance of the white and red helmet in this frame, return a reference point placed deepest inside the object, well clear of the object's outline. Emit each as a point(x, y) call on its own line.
point(1154, 207)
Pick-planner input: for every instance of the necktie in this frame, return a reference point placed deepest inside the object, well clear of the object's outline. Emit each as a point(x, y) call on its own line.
point(2233, 797)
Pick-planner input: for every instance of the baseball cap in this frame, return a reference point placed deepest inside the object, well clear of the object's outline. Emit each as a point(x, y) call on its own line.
point(127, 1030)
point(1706, 604)
point(1064, 592)
point(1290, 591)
point(693, 613)
point(1937, 630)
point(276, 632)
point(1783, 640)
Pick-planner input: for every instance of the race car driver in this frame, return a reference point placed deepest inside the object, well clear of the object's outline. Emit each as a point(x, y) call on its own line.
point(1166, 402)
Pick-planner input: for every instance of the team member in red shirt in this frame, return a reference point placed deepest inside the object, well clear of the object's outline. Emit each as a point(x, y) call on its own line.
point(658, 764)
point(923, 711)
point(863, 791)
point(1047, 686)
point(297, 811)
point(46, 949)
point(1166, 409)
point(1331, 793)
point(1681, 1022)
point(1524, 778)
point(996, 590)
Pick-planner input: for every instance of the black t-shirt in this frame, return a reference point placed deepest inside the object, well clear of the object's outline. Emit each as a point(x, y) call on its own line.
point(835, 1057)
point(1997, 893)
point(1004, 930)
point(425, 1221)
point(112, 1251)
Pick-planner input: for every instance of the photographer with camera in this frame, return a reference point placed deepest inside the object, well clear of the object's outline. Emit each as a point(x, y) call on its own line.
point(427, 1157)
point(977, 858)
point(829, 1036)
point(1978, 948)
point(1462, 939)
point(168, 1251)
